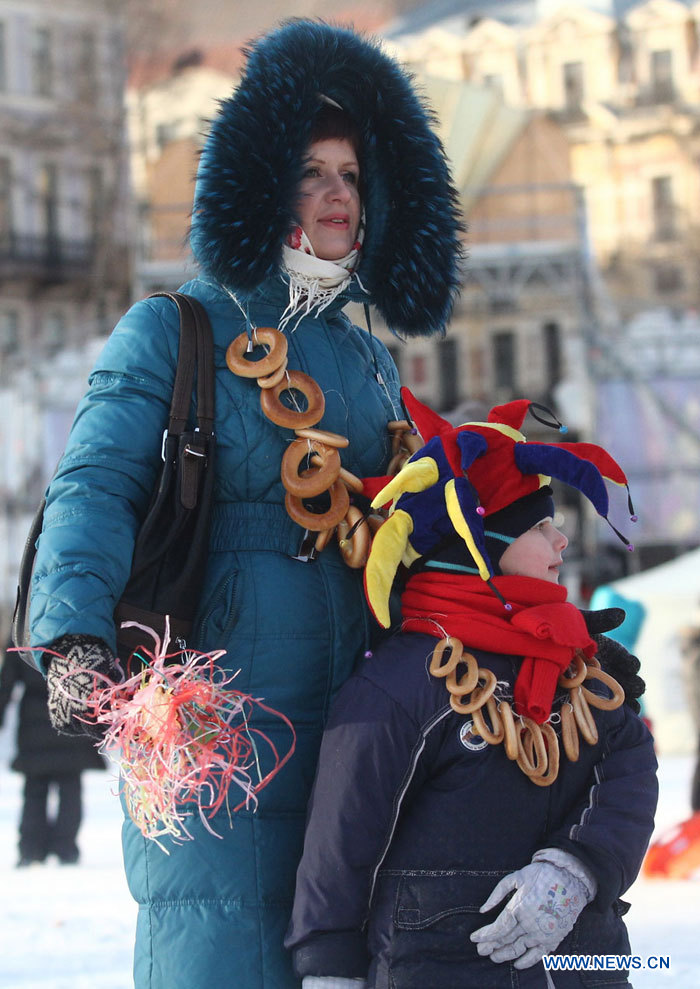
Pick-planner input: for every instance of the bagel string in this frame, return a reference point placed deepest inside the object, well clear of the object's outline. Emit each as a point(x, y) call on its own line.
point(534, 748)
point(317, 447)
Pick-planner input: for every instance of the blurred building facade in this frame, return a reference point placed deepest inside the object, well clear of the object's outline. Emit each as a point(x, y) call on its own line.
point(170, 104)
point(595, 301)
point(572, 133)
point(64, 265)
point(64, 231)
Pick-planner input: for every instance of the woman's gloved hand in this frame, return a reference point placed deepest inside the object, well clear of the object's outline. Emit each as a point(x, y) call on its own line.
point(70, 679)
point(550, 896)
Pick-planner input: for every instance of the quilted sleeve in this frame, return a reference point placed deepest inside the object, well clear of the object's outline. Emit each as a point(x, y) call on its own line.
point(610, 828)
point(371, 746)
point(101, 490)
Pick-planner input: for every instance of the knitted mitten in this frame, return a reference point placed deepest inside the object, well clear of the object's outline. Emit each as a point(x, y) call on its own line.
point(71, 679)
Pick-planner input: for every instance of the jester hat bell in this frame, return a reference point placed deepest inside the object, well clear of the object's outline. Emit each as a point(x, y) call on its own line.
point(465, 475)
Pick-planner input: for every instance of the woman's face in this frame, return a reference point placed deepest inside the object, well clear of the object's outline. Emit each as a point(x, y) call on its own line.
point(329, 198)
point(537, 553)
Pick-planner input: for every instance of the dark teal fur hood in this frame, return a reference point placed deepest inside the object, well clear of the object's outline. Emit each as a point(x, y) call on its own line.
point(252, 164)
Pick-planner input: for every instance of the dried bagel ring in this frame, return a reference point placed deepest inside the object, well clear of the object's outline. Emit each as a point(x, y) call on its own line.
point(578, 677)
point(437, 667)
point(494, 734)
point(569, 732)
point(263, 335)
point(340, 502)
point(584, 718)
point(398, 425)
point(549, 777)
point(479, 696)
point(375, 522)
point(319, 477)
point(322, 540)
point(397, 462)
point(323, 436)
point(412, 441)
point(351, 482)
point(468, 681)
point(355, 549)
point(604, 703)
point(532, 754)
point(510, 735)
point(281, 415)
point(274, 379)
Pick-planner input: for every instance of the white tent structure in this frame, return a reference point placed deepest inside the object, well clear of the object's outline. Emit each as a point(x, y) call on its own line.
point(671, 595)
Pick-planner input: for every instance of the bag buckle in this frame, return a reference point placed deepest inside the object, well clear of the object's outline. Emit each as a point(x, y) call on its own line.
point(307, 548)
point(191, 452)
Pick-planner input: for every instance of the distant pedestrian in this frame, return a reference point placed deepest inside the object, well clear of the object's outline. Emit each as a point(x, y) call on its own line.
point(690, 656)
point(49, 761)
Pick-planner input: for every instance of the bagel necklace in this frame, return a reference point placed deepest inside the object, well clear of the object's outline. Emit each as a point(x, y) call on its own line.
point(315, 449)
point(533, 747)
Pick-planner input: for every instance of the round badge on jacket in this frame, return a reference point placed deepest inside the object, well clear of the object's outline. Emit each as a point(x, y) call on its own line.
point(469, 738)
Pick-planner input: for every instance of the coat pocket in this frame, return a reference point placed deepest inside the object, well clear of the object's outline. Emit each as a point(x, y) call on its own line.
point(218, 610)
point(434, 915)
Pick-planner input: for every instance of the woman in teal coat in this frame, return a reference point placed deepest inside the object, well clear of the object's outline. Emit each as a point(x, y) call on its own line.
point(321, 183)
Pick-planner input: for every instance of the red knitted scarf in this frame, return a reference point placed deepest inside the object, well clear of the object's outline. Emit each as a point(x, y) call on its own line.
point(542, 627)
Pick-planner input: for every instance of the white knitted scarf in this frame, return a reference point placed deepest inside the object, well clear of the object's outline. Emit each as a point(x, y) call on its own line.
point(313, 282)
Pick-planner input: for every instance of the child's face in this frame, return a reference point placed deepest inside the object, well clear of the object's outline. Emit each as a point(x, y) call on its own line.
point(537, 553)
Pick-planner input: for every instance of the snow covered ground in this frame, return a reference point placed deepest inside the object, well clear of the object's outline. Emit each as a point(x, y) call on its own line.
point(71, 927)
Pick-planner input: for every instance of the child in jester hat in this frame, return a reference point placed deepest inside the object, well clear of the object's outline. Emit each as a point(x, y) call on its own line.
point(485, 749)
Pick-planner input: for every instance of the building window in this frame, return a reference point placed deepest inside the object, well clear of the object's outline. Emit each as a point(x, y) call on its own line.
point(5, 199)
point(41, 63)
point(667, 278)
point(419, 369)
point(54, 331)
point(87, 67)
point(664, 214)
point(495, 82)
point(48, 187)
point(662, 76)
point(448, 363)
point(95, 195)
point(3, 59)
point(503, 351)
point(9, 331)
point(552, 354)
point(166, 133)
point(573, 86)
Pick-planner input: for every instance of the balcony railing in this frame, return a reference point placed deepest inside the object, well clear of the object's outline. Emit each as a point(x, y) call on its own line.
point(44, 258)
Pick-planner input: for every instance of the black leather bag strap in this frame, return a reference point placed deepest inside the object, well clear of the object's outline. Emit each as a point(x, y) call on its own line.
point(205, 366)
point(196, 346)
point(196, 349)
point(20, 636)
point(186, 362)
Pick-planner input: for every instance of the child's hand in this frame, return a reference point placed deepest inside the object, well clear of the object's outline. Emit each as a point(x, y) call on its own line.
point(538, 917)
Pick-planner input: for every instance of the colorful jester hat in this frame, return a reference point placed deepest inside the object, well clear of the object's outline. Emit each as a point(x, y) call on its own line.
point(462, 476)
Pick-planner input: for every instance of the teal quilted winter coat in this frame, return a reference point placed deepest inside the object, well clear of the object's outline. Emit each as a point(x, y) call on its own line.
point(213, 912)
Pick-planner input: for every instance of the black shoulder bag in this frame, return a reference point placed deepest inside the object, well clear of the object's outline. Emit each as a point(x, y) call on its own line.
point(171, 549)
